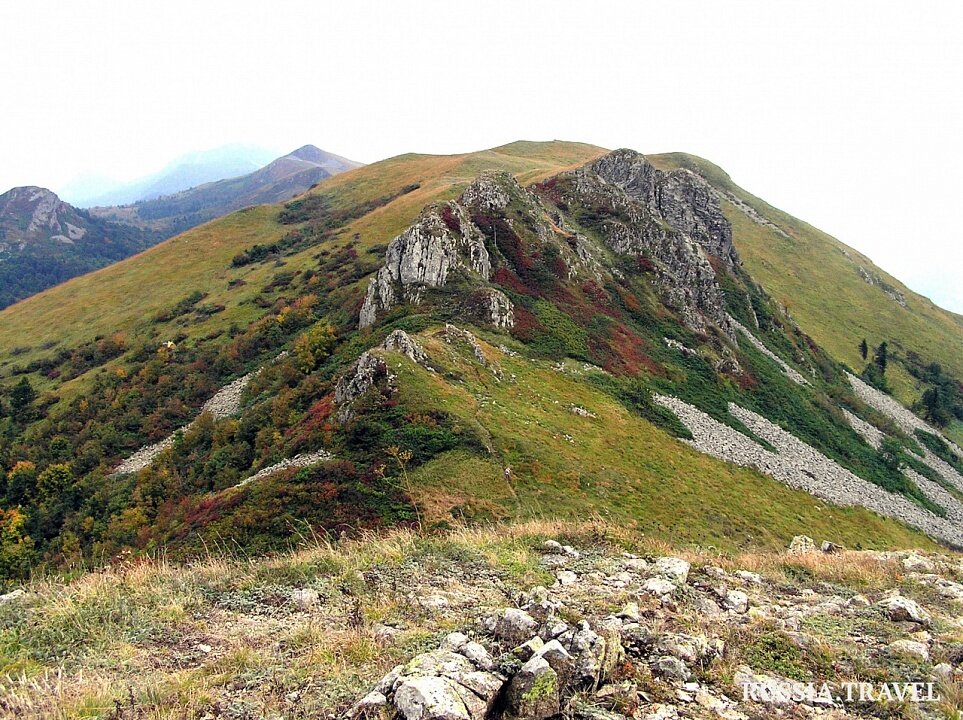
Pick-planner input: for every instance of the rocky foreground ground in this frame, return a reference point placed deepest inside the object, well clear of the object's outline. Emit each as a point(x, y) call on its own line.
point(536, 621)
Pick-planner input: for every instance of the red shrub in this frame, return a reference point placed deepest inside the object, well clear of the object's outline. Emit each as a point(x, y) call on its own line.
point(448, 217)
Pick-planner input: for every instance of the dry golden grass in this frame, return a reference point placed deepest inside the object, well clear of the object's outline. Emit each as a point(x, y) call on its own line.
point(124, 639)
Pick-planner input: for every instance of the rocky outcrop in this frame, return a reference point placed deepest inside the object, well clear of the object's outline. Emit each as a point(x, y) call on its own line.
point(672, 219)
point(367, 371)
point(498, 310)
point(400, 341)
point(456, 335)
point(680, 198)
point(442, 241)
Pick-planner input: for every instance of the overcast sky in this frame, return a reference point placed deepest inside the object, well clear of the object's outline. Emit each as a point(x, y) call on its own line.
point(847, 115)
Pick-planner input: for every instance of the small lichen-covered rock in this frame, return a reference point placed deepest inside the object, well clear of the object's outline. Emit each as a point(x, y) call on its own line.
point(675, 569)
point(688, 648)
point(513, 625)
point(802, 544)
point(736, 601)
point(430, 698)
point(306, 598)
point(910, 648)
point(659, 586)
point(903, 609)
point(533, 693)
point(592, 653)
point(560, 660)
point(370, 706)
point(671, 668)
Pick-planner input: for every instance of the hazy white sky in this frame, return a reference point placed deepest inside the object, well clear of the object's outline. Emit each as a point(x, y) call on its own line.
point(847, 115)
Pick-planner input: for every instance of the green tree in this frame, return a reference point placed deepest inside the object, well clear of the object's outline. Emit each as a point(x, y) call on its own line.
point(313, 346)
point(936, 409)
point(881, 357)
point(54, 482)
point(22, 483)
point(22, 396)
point(16, 547)
point(890, 451)
point(864, 349)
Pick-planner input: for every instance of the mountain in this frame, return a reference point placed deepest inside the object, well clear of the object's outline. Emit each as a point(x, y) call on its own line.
point(539, 329)
point(182, 173)
point(279, 180)
point(44, 241)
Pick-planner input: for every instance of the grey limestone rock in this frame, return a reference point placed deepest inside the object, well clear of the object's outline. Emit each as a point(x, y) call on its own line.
point(358, 380)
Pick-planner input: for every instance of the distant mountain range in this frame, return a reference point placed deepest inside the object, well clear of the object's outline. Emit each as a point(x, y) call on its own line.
point(44, 240)
point(277, 181)
point(182, 173)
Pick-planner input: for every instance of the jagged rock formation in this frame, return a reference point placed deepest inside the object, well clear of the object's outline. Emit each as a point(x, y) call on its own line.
point(492, 307)
point(681, 198)
point(673, 219)
point(453, 335)
point(366, 372)
point(801, 466)
point(442, 241)
point(402, 342)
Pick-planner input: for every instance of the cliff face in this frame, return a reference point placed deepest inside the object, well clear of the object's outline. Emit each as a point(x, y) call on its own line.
point(442, 241)
point(29, 214)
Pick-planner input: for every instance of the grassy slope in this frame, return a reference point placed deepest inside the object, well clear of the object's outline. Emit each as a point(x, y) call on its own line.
point(616, 466)
point(811, 274)
point(126, 296)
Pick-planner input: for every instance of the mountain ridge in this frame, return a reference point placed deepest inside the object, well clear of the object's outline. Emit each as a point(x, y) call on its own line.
point(492, 317)
point(179, 174)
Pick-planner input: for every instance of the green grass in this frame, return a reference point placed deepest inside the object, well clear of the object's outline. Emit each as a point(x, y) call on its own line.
point(617, 466)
